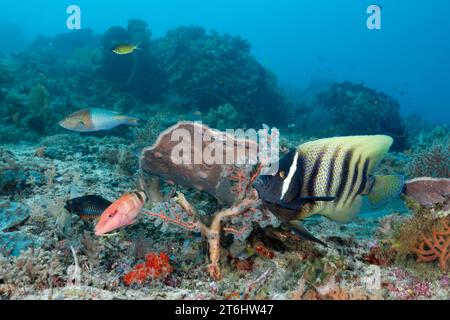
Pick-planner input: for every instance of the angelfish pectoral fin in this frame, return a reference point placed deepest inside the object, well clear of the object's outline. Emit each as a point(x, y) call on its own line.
point(385, 188)
point(317, 199)
point(299, 229)
point(300, 201)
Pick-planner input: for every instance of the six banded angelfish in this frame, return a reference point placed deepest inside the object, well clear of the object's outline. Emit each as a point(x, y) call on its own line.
point(95, 119)
point(328, 177)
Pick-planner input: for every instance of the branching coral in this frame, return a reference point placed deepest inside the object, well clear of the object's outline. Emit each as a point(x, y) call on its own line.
point(435, 246)
point(189, 219)
point(432, 160)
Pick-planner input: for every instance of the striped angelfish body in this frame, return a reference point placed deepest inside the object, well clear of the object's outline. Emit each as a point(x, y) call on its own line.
point(339, 167)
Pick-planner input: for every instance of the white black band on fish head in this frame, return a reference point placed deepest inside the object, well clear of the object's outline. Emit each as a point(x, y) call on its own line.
point(289, 179)
point(283, 187)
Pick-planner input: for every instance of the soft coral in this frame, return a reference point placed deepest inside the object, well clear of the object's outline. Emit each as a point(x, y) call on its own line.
point(155, 266)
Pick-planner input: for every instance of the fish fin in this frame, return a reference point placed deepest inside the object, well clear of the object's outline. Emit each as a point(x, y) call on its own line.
point(132, 121)
point(372, 147)
point(299, 229)
point(300, 201)
point(137, 46)
point(343, 213)
point(110, 235)
point(318, 199)
point(385, 188)
point(127, 120)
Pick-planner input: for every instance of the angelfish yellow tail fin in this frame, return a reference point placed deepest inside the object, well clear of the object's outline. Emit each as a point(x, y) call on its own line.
point(385, 188)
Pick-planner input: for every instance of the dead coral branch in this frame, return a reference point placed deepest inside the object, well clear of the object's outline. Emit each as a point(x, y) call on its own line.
point(211, 233)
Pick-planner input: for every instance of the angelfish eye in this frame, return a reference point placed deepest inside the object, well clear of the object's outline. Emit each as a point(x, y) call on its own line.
point(282, 174)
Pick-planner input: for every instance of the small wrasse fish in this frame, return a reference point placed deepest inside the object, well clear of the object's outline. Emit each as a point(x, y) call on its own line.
point(328, 177)
point(123, 49)
point(89, 207)
point(95, 119)
point(123, 212)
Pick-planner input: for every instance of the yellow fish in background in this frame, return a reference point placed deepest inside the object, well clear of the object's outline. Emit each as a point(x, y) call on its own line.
point(95, 119)
point(328, 177)
point(126, 48)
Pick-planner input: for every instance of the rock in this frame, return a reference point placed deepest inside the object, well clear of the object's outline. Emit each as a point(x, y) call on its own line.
point(430, 192)
point(12, 214)
point(215, 178)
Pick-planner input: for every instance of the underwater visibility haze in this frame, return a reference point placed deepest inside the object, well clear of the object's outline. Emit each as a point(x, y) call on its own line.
point(225, 150)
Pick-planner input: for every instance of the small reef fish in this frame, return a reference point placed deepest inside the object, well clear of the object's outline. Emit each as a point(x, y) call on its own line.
point(95, 119)
point(123, 212)
point(89, 207)
point(124, 49)
point(328, 177)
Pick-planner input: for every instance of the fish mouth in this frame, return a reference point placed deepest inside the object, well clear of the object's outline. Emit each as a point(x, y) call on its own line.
point(99, 233)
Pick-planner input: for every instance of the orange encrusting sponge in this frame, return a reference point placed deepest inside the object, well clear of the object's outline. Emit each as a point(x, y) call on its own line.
point(155, 266)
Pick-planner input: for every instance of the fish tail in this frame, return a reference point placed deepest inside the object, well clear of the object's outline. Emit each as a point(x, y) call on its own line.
point(131, 121)
point(137, 46)
point(385, 188)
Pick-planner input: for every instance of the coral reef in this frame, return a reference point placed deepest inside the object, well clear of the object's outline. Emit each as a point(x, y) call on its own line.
point(351, 109)
point(201, 217)
point(425, 234)
point(6, 73)
point(207, 70)
point(431, 158)
point(224, 117)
